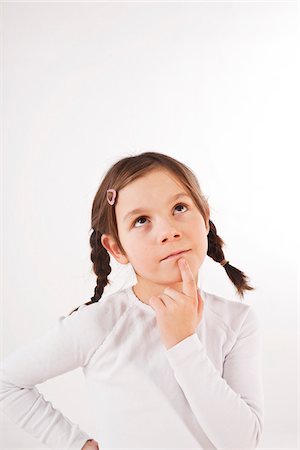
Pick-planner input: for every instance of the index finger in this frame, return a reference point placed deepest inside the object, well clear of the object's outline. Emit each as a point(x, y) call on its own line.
point(189, 287)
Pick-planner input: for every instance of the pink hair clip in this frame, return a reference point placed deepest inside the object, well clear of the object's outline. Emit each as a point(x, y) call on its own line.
point(111, 200)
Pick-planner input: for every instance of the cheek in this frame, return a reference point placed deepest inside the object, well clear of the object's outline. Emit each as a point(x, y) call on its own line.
point(200, 237)
point(138, 251)
point(204, 246)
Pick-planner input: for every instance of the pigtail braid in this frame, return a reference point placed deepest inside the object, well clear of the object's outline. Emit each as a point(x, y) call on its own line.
point(238, 278)
point(101, 266)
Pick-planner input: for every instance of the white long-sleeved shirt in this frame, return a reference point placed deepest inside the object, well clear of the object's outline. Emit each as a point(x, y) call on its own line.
point(205, 392)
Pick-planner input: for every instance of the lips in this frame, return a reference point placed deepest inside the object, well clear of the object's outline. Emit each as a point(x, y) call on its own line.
point(175, 254)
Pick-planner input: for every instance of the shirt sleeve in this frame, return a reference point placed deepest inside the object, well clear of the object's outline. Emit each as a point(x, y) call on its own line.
point(229, 408)
point(67, 345)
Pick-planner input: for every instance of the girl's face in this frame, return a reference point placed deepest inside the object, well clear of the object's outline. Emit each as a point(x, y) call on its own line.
point(165, 223)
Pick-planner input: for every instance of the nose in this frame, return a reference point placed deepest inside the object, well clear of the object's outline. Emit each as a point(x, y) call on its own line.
point(170, 235)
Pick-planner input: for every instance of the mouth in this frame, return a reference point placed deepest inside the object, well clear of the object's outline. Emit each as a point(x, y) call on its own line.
point(177, 255)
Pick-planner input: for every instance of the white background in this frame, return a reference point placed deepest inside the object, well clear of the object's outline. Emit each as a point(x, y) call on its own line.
point(212, 84)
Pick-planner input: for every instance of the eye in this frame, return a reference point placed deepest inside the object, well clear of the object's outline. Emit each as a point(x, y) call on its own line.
point(180, 204)
point(144, 217)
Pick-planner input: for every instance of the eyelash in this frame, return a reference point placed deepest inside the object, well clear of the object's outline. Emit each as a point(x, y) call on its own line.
point(143, 217)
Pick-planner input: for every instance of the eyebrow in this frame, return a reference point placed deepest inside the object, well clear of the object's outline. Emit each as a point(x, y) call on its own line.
point(141, 210)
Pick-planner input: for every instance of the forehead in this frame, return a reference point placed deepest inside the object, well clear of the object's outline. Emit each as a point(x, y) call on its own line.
point(148, 191)
point(148, 186)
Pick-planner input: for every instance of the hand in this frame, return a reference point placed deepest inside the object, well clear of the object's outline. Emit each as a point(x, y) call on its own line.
point(91, 444)
point(178, 314)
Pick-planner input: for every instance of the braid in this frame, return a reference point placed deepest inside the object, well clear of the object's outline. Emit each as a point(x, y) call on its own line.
point(101, 266)
point(215, 244)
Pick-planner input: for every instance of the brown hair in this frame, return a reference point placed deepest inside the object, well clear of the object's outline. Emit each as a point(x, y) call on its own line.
point(104, 221)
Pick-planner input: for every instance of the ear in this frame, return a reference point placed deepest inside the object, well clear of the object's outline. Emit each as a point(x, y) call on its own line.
point(113, 249)
point(207, 229)
point(207, 226)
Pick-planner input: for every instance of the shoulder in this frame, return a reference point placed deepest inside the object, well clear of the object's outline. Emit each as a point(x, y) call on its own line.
point(230, 314)
point(69, 343)
point(82, 332)
point(98, 317)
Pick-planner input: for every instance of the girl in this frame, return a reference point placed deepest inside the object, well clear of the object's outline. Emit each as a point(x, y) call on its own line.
point(167, 365)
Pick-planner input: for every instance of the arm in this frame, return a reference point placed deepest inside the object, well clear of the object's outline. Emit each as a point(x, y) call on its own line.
point(229, 408)
point(68, 345)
